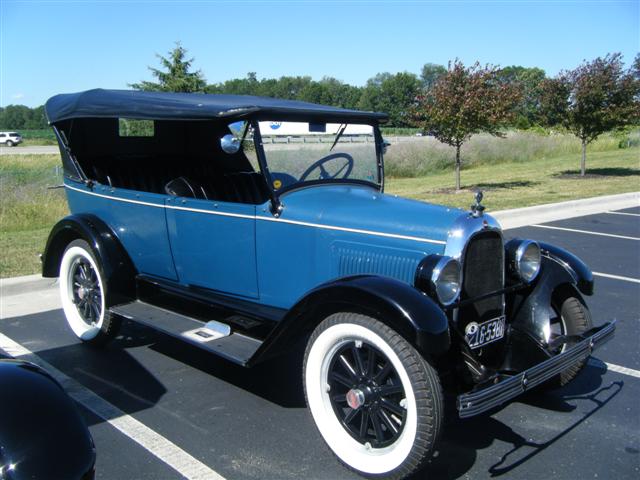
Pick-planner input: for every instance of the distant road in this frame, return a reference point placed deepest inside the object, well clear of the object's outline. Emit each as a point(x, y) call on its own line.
point(32, 150)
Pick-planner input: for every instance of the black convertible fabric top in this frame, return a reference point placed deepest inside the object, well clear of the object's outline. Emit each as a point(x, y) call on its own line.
point(99, 103)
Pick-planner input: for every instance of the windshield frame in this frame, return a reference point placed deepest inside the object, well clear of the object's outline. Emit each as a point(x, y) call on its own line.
point(275, 195)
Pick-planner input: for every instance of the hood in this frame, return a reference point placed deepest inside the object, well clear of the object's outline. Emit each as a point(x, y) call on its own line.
point(361, 208)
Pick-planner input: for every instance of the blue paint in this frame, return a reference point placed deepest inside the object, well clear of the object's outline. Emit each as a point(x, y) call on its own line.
point(243, 250)
point(293, 259)
point(142, 229)
point(214, 251)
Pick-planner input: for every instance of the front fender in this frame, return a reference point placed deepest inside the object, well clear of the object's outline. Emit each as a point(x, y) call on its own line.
point(533, 313)
point(410, 312)
point(117, 268)
point(581, 274)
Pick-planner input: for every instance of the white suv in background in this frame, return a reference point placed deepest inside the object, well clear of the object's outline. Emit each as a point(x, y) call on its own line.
point(10, 138)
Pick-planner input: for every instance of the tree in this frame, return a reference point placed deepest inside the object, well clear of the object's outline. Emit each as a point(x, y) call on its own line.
point(596, 97)
point(393, 94)
point(177, 76)
point(465, 101)
point(529, 80)
point(430, 74)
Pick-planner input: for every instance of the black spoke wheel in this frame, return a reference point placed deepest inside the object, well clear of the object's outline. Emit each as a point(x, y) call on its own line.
point(367, 394)
point(84, 295)
point(376, 401)
point(87, 292)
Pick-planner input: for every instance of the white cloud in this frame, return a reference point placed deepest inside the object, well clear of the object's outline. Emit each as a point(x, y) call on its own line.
point(17, 96)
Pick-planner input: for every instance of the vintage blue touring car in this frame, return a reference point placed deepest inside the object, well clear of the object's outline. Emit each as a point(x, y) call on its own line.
point(247, 225)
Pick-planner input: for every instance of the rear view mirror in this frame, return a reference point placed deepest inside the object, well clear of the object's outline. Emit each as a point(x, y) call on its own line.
point(385, 144)
point(230, 144)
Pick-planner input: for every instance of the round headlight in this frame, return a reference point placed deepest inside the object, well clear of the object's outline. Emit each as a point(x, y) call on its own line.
point(440, 277)
point(527, 260)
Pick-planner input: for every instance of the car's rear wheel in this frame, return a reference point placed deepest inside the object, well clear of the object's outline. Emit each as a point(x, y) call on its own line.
point(571, 317)
point(375, 400)
point(9, 143)
point(84, 295)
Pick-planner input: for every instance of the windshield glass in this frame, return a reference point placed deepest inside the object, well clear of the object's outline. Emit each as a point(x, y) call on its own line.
point(300, 152)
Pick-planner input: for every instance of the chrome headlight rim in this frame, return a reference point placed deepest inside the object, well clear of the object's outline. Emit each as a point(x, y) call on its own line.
point(440, 276)
point(528, 260)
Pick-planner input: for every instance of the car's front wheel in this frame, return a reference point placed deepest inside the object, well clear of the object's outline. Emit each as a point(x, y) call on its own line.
point(83, 295)
point(375, 400)
point(571, 318)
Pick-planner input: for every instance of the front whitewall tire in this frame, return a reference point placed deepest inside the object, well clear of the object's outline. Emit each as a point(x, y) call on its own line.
point(409, 450)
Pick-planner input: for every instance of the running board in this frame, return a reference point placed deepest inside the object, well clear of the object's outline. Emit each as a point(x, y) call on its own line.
point(212, 336)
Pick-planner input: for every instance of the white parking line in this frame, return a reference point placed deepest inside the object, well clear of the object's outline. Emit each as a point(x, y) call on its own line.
point(624, 213)
point(616, 368)
point(586, 231)
point(166, 451)
point(616, 277)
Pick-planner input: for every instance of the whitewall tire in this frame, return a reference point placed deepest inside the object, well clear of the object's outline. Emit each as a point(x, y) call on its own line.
point(83, 294)
point(375, 400)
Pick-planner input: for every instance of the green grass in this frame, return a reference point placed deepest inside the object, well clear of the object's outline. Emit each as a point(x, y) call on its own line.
point(28, 209)
point(38, 137)
point(418, 157)
point(20, 251)
point(521, 184)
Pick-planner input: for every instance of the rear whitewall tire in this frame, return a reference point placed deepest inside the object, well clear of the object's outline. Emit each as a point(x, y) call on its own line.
point(423, 397)
point(101, 326)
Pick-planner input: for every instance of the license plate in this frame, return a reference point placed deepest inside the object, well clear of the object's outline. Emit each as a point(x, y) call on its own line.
point(480, 334)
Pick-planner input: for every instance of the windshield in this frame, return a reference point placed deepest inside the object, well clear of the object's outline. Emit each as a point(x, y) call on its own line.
point(302, 152)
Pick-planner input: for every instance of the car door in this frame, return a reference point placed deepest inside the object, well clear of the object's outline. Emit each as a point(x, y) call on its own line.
point(213, 244)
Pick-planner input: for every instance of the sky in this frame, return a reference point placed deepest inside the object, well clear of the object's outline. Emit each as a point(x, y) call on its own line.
point(50, 47)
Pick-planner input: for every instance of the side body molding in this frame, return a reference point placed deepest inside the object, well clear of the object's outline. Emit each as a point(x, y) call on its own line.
point(404, 308)
point(112, 257)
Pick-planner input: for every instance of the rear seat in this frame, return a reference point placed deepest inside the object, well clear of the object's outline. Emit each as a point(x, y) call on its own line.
point(137, 174)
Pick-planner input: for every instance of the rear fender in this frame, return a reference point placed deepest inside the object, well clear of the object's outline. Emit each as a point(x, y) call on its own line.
point(410, 312)
point(116, 266)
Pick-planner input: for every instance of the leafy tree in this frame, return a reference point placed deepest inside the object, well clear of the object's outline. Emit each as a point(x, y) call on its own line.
point(393, 94)
point(237, 86)
point(176, 76)
point(463, 102)
point(331, 91)
point(18, 117)
point(430, 74)
point(530, 82)
point(596, 97)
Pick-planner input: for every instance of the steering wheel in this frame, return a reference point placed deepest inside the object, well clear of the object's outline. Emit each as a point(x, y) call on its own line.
point(319, 164)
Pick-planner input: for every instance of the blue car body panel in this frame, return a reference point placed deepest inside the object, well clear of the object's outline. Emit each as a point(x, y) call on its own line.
point(333, 231)
point(137, 218)
point(245, 251)
point(213, 244)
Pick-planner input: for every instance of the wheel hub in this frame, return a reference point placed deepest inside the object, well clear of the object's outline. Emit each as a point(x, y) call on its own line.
point(355, 398)
point(366, 394)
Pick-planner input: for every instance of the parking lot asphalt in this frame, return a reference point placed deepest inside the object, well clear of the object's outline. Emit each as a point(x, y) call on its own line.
point(253, 424)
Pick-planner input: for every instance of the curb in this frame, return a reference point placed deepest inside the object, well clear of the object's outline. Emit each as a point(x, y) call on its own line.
point(27, 283)
point(521, 217)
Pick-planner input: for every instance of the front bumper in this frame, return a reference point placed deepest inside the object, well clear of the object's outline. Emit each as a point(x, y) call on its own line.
point(485, 398)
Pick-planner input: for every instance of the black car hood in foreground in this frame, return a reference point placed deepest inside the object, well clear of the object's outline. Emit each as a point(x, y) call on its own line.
point(99, 103)
point(42, 435)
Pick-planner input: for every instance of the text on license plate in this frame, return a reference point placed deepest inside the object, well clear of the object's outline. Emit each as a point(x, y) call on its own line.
point(479, 334)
